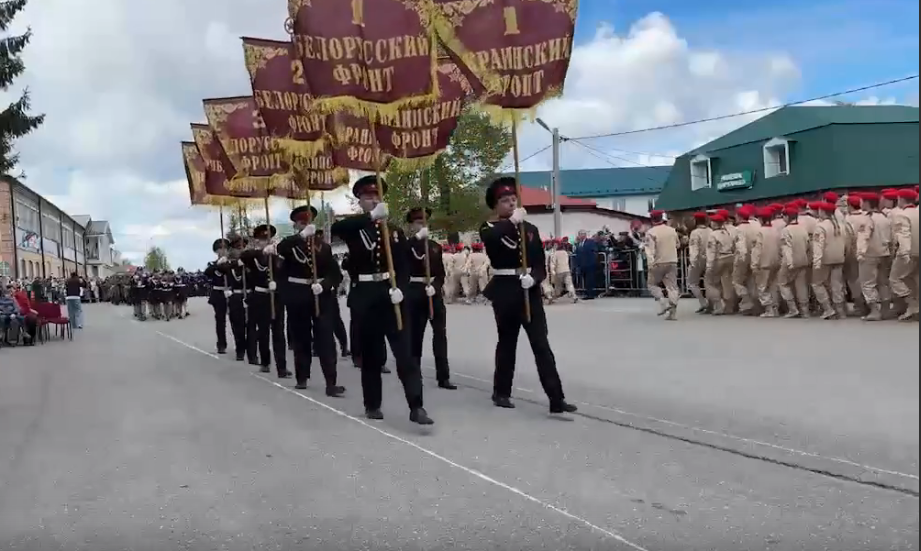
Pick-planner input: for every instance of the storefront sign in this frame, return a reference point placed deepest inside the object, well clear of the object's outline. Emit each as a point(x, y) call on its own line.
point(28, 241)
point(736, 180)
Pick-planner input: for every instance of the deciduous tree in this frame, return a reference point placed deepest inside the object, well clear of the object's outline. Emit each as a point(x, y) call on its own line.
point(156, 260)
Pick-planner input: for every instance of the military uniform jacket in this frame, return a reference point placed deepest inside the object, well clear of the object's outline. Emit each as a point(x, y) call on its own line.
point(257, 265)
point(416, 251)
point(366, 252)
point(501, 239)
point(300, 271)
point(233, 271)
point(215, 274)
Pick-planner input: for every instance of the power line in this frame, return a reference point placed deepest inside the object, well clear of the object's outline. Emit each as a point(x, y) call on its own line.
point(602, 156)
point(752, 111)
point(521, 161)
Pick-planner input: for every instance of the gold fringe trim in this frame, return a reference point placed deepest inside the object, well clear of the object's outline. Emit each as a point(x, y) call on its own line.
point(412, 164)
point(445, 32)
point(261, 183)
point(507, 116)
point(299, 148)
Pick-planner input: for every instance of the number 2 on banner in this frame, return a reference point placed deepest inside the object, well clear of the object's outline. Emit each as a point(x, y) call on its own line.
point(358, 12)
point(297, 72)
point(511, 21)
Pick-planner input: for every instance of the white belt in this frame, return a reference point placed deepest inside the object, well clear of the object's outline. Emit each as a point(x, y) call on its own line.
point(419, 280)
point(368, 278)
point(261, 289)
point(509, 271)
point(219, 288)
point(238, 291)
point(304, 281)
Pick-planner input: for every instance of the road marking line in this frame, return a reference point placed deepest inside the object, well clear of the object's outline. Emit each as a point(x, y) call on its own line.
point(709, 432)
point(434, 455)
point(741, 439)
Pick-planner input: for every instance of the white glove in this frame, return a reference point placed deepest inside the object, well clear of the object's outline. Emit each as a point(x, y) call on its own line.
point(272, 286)
point(228, 294)
point(527, 281)
point(317, 289)
point(222, 260)
point(429, 291)
point(270, 249)
point(396, 296)
point(422, 234)
point(309, 231)
point(518, 216)
point(239, 262)
point(379, 212)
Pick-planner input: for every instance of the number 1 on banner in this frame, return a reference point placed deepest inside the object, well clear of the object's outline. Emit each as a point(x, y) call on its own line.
point(297, 72)
point(511, 21)
point(358, 13)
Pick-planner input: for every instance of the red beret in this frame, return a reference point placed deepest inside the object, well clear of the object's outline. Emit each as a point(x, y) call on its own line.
point(853, 200)
point(717, 217)
point(700, 215)
point(890, 194)
point(908, 194)
point(656, 213)
point(724, 213)
point(828, 207)
point(791, 210)
point(776, 207)
point(830, 196)
point(765, 212)
point(815, 205)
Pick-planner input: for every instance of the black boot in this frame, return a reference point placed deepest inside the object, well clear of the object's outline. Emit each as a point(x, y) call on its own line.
point(335, 391)
point(420, 417)
point(503, 402)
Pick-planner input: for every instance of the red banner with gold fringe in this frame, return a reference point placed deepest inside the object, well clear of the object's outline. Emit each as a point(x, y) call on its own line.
point(365, 56)
point(519, 50)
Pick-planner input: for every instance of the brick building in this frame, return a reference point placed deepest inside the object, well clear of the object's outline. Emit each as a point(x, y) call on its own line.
point(37, 239)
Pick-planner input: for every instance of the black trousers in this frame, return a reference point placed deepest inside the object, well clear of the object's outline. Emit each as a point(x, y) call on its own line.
point(266, 334)
point(237, 311)
point(375, 320)
point(417, 310)
point(218, 301)
point(339, 326)
point(508, 309)
point(312, 332)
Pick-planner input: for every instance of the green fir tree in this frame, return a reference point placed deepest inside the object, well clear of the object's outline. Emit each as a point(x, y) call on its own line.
point(15, 121)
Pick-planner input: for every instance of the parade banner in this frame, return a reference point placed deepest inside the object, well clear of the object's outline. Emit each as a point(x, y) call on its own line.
point(415, 135)
point(353, 143)
point(284, 101)
point(214, 159)
point(255, 157)
point(195, 173)
point(525, 43)
point(365, 56)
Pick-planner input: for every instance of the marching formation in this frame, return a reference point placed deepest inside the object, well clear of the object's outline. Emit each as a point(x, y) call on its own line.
point(785, 259)
point(257, 281)
point(160, 295)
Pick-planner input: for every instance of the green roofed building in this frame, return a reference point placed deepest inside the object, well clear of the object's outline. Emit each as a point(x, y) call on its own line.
point(632, 190)
point(797, 151)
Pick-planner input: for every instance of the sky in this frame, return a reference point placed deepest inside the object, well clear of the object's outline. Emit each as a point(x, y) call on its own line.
point(120, 82)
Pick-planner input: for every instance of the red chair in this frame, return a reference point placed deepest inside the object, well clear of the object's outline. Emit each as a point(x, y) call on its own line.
point(49, 314)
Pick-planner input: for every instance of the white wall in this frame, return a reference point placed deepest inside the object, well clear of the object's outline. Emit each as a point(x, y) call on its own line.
point(573, 222)
point(633, 204)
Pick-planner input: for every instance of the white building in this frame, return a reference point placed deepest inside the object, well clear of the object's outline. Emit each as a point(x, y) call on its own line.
point(631, 190)
point(101, 256)
point(577, 215)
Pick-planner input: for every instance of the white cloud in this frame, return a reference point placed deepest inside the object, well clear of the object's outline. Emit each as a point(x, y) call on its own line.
point(120, 82)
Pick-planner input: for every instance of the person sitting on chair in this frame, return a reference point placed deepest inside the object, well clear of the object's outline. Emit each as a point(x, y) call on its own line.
point(29, 315)
point(10, 319)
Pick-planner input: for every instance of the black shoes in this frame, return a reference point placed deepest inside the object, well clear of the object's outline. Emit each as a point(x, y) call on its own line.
point(335, 391)
point(374, 414)
point(420, 417)
point(447, 385)
point(503, 402)
point(221, 350)
point(563, 407)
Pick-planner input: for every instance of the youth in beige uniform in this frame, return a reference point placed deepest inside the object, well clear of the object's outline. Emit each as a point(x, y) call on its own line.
point(476, 271)
point(697, 259)
point(742, 280)
point(765, 262)
point(560, 272)
point(872, 249)
point(904, 276)
point(829, 243)
point(661, 246)
point(720, 254)
point(794, 252)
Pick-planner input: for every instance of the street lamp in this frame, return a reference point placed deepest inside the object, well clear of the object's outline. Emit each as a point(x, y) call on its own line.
point(555, 184)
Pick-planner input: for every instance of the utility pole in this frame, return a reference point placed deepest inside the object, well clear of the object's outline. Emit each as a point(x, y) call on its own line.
point(556, 187)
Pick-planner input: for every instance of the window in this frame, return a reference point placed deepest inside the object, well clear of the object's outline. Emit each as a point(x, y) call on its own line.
point(651, 204)
point(51, 227)
point(619, 205)
point(776, 158)
point(27, 215)
point(701, 173)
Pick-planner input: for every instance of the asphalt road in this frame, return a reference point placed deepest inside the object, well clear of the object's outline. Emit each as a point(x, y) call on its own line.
point(722, 434)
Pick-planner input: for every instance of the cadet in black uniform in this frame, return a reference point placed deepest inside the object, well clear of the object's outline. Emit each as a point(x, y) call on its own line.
point(418, 293)
point(139, 292)
point(372, 300)
point(236, 301)
point(342, 336)
point(219, 292)
point(267, 334)
point(307, 284)
point(507, 290)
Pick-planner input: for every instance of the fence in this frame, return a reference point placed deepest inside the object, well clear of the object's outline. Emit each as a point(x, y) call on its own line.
point(622, 272)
